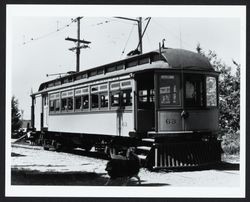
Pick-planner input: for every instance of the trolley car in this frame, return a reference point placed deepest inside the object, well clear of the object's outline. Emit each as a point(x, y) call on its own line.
point(164, 103)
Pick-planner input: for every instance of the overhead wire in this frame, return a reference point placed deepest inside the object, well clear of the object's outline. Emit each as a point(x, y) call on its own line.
point(48, 34)
point(149, 41)
point(99, 23)
point(121, 21)
point(60, 29)
point(108, 20)
point(163, 27)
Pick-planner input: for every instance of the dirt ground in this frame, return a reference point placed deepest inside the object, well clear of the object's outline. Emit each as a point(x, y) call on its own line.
point(31, 165)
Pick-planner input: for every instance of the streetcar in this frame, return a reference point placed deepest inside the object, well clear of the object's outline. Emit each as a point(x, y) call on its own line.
point(164, 103)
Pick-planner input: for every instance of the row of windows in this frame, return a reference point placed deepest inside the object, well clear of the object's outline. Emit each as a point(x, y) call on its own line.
point(117, 99)
point(103, 70)
point(198, 91)
point(94, 97)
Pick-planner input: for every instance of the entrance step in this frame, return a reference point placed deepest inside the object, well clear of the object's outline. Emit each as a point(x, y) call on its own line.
point(148, 140)
point(142, 157)
point(144, 148)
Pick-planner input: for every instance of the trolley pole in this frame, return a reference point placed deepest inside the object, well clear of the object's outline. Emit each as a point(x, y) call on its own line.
point(139, 24)
point(140, 33)
point(78, 45)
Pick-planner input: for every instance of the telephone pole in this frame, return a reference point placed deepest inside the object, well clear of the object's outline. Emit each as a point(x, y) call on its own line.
point(78, 45)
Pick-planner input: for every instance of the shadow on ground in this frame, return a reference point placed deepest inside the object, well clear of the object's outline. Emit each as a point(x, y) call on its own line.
point(16, 154)
point(24, 177)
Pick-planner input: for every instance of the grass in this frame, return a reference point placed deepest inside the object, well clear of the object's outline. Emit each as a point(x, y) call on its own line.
point(231, 143)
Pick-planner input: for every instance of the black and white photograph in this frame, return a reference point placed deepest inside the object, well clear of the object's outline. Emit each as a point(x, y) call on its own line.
point(125, 101)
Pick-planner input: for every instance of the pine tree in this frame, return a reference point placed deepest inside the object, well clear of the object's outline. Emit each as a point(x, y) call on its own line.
point(15, 115)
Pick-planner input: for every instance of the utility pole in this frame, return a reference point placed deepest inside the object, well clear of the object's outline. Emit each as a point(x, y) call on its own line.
point(78, 45)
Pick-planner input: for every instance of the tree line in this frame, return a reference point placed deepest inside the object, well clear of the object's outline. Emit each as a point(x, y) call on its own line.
point(229, 101)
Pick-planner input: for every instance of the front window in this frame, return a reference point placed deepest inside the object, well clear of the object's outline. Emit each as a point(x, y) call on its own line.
point(169, 90)
point(193, 91)
point(211, 89)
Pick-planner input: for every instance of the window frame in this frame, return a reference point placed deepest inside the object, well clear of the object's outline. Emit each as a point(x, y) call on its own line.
point(217, 92)
point(75, 104)
point(75, 96)
point(114, 92)
point(203, 77)
point(179, 93)
point(54, 98)
point(81, 92)
point(66, 95)
point(82, 96)
point(98, 103)
point(125, 90)
point(105, 93)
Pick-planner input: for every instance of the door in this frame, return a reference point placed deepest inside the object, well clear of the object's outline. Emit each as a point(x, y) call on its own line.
point(45, 112)
point(169, 103)
point(145, 102)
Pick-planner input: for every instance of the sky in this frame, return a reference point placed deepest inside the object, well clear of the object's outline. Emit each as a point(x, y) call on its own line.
point(36, 48)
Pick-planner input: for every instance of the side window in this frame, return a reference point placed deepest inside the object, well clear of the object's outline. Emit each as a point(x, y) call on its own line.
point(99, 97)
point(67, 101)
point(57, 105)
point(122, 98)
point(121, 94)
point(94, 97)
point(193, 91)
point(169, 90)
point(81, 99)
point(94, 101)
point(211, 91)
point(104, 100)
point(127, 97)
point(85, 101)
point(64, 104)
point(51, 106)
point(78, 104)
point(70, 103)
point(103, 96)
point(54, 102)
point(115, 99)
